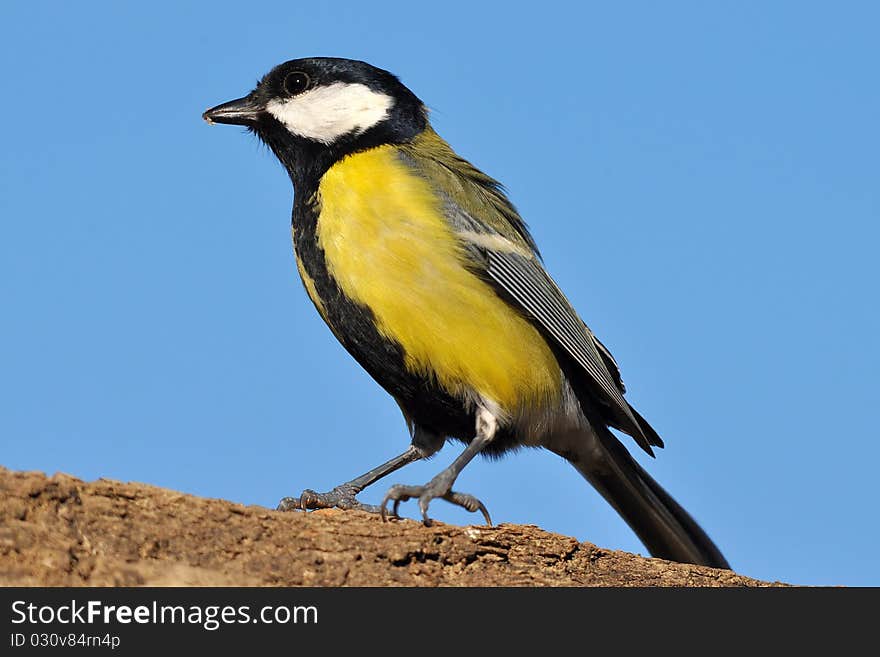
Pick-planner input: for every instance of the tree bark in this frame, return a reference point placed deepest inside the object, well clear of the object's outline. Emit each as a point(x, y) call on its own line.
point(61, 531)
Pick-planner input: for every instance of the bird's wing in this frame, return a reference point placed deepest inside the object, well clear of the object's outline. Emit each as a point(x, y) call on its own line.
point(610, 363)
point(525, 282)
point(502, 252)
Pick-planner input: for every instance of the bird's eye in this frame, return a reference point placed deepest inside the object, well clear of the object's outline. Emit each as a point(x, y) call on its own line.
point(296, 82)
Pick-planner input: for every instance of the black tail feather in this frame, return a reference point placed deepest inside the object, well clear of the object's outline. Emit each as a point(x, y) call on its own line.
point(666, 529)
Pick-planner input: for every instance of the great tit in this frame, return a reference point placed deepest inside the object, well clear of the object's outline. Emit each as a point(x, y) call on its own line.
point(428, 276)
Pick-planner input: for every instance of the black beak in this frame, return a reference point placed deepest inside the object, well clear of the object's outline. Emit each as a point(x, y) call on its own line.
point(243, 111)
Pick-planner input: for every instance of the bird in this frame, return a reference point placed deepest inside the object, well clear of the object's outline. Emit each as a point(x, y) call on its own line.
point(428, 276)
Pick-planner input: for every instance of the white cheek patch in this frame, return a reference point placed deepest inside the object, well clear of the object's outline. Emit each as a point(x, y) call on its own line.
point(326, 113)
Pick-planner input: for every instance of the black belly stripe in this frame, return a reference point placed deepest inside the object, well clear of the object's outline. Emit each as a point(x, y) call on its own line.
point(428, 405)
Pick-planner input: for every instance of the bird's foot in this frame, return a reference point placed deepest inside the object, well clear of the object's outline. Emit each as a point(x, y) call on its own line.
point(341, 497)
point(437, 487)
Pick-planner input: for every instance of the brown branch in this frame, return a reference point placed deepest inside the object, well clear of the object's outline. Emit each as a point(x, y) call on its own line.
point(61, 531)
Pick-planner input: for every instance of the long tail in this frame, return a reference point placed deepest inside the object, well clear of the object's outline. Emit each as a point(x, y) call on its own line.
point(666, 529)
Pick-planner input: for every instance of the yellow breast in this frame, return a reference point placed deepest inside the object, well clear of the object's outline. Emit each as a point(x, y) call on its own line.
point(389, 248)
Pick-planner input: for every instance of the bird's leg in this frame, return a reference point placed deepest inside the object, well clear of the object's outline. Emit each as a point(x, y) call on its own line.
point(441, 485)
point(343, 496)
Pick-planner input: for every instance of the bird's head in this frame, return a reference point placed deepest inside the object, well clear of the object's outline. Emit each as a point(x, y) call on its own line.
point(321, 108)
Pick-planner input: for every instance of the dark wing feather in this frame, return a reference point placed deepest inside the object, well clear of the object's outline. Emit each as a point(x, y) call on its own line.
point(608, 359)
point(524, 280)
point(614, 369)
point(475, 203)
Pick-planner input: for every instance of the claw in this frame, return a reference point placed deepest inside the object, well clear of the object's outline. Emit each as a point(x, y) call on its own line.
point(288, 504)
point(398, 494)
point(485, 513)
point(470, 503)
point(425, 494)
point(309, 499)
point(341, 497)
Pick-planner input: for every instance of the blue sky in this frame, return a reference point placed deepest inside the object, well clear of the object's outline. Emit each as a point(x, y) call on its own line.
point(702, 180)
